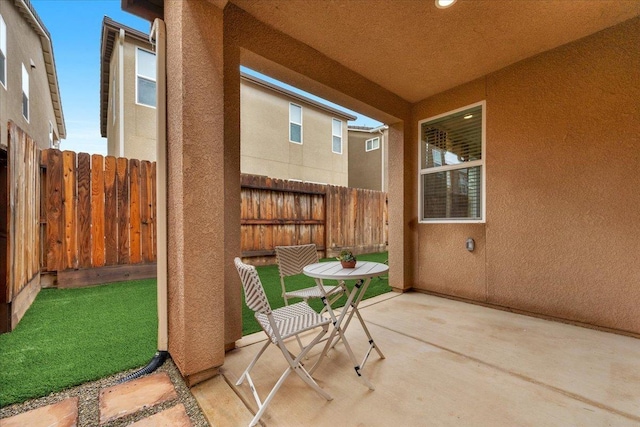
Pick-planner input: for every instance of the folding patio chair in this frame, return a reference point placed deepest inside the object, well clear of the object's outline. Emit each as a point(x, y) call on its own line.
point(279, 324)
point(291, 260)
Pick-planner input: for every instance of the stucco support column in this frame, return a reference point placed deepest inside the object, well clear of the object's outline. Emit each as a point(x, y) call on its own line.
point(199, 163)
point(233, 293)
point(401, 217)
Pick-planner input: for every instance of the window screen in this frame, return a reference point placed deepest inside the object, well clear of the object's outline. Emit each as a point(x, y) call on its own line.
point(295, 123)
point(452, 166)
point(145, 77)
point(336, 131)
point(25, 93)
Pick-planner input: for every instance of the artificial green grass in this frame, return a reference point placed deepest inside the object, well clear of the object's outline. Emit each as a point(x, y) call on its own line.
point(271, 282)
point(72, 336)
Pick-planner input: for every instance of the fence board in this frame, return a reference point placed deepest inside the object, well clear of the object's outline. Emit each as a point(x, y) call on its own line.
point(135, 249)
point(97, 210)
point(146, 200)
point(70, 200)
point(122, 178)
point(110, 212)
point(55, 230)
point(84, 210)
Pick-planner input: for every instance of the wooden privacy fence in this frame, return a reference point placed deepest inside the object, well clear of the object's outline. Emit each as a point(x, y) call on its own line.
point(279, 212)
point(99, 216)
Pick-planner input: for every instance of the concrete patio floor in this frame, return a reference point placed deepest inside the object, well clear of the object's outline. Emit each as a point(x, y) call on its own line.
point(447, 363)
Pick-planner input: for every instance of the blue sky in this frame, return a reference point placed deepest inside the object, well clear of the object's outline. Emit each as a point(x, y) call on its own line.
point(75, 27)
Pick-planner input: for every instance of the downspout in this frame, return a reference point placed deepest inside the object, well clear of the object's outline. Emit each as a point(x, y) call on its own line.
point(383, 162)
point(159, 32)
point(159, 35)
point(121, 93)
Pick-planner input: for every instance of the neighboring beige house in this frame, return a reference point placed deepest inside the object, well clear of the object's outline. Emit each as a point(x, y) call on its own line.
point(368, 157)
point(127, 92)
point(543, 179)
point(29, 93)
point(289, 136)
point(284, 135)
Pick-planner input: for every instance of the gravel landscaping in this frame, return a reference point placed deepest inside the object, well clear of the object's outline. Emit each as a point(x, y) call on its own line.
point(88, 410)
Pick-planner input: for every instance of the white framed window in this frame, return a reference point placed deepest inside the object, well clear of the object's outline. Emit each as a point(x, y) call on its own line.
point(452, 166)
point(51, 135)
point(295, 123)
point(372, 144)
point(3, 53)
point(25, 93)
point(145, 77)
point(336, 132)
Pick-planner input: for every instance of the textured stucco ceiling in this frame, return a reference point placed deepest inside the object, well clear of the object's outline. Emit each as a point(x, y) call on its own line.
point(415, 50)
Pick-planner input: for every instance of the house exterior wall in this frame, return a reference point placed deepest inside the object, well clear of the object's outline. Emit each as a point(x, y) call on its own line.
point(367, 169)
point(140, 123)
point(23, 46)
point(139, 120)
point(266, 149)
point(562, 221)
point(113, 121)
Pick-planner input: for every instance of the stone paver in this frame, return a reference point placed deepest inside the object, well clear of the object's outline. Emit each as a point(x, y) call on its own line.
point(61, 414)
point(172, 417)
point(127, 398)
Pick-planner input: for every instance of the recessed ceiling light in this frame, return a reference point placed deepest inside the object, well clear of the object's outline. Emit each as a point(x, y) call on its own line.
point(443, 4)
point(468, 116)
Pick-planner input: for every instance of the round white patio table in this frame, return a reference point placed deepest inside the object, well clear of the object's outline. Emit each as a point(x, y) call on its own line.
point(363, 272)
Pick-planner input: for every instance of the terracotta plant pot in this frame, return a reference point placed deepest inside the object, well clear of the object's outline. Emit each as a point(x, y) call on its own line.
point(348, 264)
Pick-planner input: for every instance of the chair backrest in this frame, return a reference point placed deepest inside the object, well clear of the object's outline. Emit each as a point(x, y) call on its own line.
point(292, 259)
point(254, 294)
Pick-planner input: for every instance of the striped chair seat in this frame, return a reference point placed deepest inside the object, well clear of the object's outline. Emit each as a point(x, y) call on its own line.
point(291, 320)
point(312, 292)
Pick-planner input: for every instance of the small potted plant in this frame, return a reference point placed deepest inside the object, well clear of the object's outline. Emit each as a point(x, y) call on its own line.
point(347, 259)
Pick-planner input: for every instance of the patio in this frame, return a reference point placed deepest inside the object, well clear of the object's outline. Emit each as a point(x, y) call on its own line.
point(447, 363)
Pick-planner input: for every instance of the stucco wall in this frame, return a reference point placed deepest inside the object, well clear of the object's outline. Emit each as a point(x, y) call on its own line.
point(139, 120)
point(203, 164)
point(368, 169)
point(113, 126)
point(23, 45)
point(266, 149)
point(562, 226)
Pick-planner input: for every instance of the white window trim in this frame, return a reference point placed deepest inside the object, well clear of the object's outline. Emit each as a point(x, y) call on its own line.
point(300, 124)
point(144, 77)
point(3, 48)
point(372, 139)
point(25, 73)
point(50, 134)
point(465, 165)
point(333, 134)
point(113, 98)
